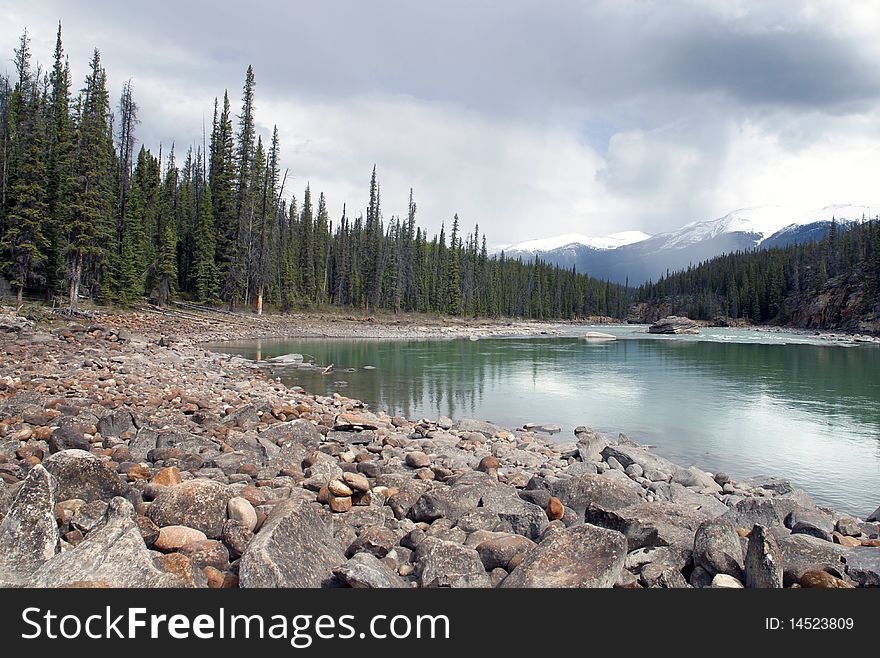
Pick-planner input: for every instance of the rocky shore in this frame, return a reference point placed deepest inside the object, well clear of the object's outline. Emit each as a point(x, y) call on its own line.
point(132, 457)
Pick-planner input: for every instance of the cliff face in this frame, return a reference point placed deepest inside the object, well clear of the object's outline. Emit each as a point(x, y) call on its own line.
point(850, 302)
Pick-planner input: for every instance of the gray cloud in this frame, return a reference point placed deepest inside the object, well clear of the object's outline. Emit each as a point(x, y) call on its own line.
point(645, 105)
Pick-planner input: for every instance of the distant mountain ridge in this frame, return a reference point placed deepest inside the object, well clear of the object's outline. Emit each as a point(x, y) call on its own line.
point(636, 257)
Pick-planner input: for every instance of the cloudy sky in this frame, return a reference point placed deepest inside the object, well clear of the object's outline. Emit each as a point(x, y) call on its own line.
point(529, 118)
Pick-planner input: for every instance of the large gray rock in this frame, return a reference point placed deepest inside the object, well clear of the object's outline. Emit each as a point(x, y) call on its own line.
point(863, 565)
point(875, 516)
point(705, 503)
point(515, 514)
point(717, 548)
point(366, 571)
point(628, 455)
point(694, 478)
point(802, 553)
point(650, 524)
point(590, 445)
point(199, 504)
point(114, 554)
point(117, 423)
point(674, 324)
point(813, 522)
point(448, 564)
point(601, 491)
point(294, 548)
point(81, 474)
point(29, 534)
point(500, 550)
point(779, 486)
point(763, 564)
point(582, 556)
point(769, 512)
point(481, 426)
point(446, 502)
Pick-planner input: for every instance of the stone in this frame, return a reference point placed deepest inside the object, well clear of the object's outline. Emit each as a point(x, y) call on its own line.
point(199, 504)
point(173, 537)
point(356, 481)
point(417, 459)
point(339, 488)
point(650, 524)
point(657, 575)
point(207, 553)
point(627, 455)
point(802, 553)
point(236, 537)
point(599, 491)
point(470, 425)
point(28, 533)
point(582, 556)
point(700, 578)
point(514, 514)
point(375, 539)
point(845, 540)
point(294, 548)
point(489, 464)
point(810, 522)
point(340, 504)
point(848, 526)
point(717, 548)
point(724, 581)
point(167, 477)
point(768, 512)
point(353, 422)
point(116, 424)
point(114, 553)
point(366, 571)
point(555, 509)
point(763, 563)
point(80, 474)
point(89, 515)
point(696, 479)
point(590, 445)
point(448, 564)
point(875, 516)
point(241, 510)
point(863, 566)
point(779, 486)
point(674, 325)
point(822, 580)
point(499, 551)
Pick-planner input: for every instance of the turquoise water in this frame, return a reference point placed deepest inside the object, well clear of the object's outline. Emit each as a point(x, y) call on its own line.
point(745, 402)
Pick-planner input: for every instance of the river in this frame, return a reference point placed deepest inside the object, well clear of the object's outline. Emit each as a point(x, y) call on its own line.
point(745, 402)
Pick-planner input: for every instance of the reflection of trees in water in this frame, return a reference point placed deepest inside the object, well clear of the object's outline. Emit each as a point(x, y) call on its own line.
point(453, 377)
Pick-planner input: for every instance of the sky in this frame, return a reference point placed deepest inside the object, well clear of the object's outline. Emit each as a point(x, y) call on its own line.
point(530, 119)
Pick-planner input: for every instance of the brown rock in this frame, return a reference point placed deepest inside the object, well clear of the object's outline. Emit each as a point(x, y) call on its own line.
point(822, 579)
point(173, 537)
point(138, 472)
point(357, 481)
point(339, 488)
point(555, 509)
point(215, 577)
point(845, 540)
point(417, 459)
point(180, 566)
point(207, 553)
point(340, 503)
point(167, 477)
point(489, 463)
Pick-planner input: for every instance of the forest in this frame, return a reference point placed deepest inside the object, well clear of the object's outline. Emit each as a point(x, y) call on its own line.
point(766, 285)
point(89, 213)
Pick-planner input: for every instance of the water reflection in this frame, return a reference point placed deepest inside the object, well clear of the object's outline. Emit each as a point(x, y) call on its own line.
point(809, 412)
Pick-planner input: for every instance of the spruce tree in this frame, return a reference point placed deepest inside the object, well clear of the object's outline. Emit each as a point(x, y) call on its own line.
point(205, 273)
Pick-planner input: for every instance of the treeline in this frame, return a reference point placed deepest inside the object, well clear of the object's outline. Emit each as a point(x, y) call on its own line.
point(85, 212)
point(763, 285)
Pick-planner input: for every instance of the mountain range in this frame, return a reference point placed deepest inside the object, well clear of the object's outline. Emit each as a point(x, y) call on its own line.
point(636, 257)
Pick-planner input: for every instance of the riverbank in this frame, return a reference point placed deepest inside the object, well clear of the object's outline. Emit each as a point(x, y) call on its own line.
point(131, 456)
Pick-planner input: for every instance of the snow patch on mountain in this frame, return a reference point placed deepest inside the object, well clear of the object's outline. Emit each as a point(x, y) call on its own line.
point(612, 241)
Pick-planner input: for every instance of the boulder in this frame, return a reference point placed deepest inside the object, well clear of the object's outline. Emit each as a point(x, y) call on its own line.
point(763, 563)
point(81, 474)
point(723, 581)
point(813, 522)
point(29, 534)
point(674, 324)
point(471, 425)
point(374, 539)
point(628, 454)
point(199, 504)
point(515, 514)
point(448, 564)
point(582, 556)
point(717, 548)
point(113, 553)
point(499, 551)
point(294, 548)
point(116, 424)
point(768, 512)
point(600, 491)
point(650, 524)
point(863, 566)
point(590, 445)
point(366, 571)
point(802, 553)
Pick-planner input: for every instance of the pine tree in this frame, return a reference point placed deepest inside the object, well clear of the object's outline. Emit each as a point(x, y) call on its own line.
point(23, 243)
point(205, 273)
point(90, 235)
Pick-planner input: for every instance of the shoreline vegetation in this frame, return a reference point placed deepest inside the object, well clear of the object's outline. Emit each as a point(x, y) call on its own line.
point(132, 456)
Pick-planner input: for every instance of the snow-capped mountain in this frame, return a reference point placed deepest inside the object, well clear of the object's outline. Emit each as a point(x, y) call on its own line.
point(635, 256)
point(612, 241)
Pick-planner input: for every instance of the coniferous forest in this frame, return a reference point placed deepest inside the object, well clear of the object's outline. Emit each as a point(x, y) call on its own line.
point(769, 286)
point(87, 212)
